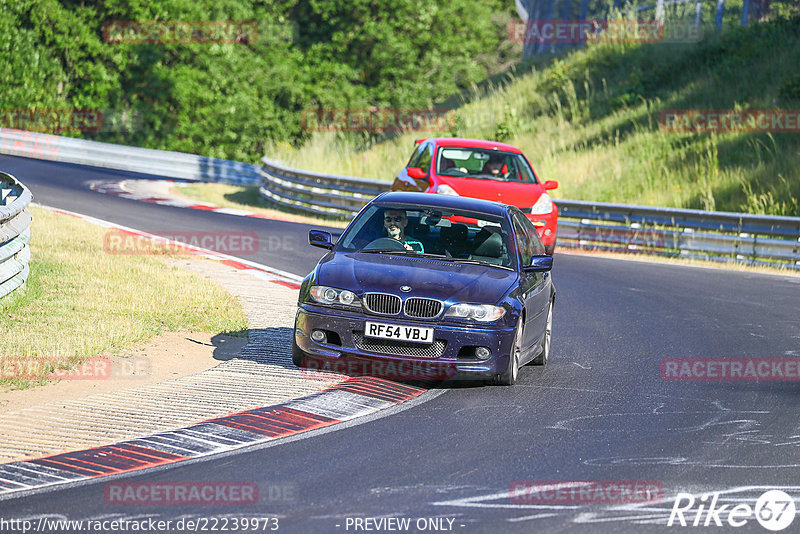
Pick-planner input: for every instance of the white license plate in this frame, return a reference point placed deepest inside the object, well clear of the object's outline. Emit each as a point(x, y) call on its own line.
point(416, 334)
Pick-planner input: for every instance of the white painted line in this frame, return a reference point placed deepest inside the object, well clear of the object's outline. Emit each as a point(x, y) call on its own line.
point(233, 211)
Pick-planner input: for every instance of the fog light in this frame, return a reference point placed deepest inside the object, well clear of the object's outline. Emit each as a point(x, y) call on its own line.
point(548, 231)
point(318, 336)
point(482, 353)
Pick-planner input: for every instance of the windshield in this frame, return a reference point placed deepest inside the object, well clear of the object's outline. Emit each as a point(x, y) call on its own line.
point(463, 236)
point(484, 164)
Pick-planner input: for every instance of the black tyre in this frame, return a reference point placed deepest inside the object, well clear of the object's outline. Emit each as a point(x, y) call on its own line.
point(542, 358)
point(509, 377)
point(298, 356)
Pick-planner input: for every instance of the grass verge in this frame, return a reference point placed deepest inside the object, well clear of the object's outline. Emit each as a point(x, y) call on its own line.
point(245, 198)
point(81, 301)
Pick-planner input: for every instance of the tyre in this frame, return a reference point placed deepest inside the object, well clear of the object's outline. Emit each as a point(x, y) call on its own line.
point(509, 377)
point(298, 356)
point(542, 358)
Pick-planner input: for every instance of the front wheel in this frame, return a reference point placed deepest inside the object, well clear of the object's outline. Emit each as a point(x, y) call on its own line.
point(298, 356)
point(509, 377)
point(542, 358)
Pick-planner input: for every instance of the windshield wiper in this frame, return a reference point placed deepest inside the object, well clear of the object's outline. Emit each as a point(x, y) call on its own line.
point(403, 253)
point(472, 261)
point(490, 177)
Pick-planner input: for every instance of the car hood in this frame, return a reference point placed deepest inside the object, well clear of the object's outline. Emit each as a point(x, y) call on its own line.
point(522, 195)
point(443, 280)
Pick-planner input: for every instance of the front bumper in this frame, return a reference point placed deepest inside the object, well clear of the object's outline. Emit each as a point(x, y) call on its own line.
point(347, 350)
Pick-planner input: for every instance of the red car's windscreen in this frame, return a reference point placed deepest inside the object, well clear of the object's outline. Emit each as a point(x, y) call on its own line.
point(458, 162)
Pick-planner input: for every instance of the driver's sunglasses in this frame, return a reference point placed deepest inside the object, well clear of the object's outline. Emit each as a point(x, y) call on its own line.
point(396, 218)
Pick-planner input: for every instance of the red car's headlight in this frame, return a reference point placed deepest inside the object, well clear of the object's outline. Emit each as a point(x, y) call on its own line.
point(543, 206)
point(444, 189)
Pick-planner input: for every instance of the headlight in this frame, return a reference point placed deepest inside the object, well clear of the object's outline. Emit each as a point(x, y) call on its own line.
point(543, 205)
point(444, 189)
point(478, 312)
point(331, 295)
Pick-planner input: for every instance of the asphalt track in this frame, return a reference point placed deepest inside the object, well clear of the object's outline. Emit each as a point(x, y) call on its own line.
point(599, 411)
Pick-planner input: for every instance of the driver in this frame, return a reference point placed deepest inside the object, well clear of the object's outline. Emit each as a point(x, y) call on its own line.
point(395, 222)
point(494, 167)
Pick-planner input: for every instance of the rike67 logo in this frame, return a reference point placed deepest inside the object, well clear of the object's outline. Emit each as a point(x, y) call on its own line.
point(774, 510)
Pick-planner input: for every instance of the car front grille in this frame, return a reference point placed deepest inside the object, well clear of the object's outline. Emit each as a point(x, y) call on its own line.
point(382, 303)
point(423, 308)
point(399, 348)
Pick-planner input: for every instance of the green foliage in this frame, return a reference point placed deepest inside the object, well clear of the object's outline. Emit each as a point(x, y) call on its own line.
point(790, 90)
point(228, 100)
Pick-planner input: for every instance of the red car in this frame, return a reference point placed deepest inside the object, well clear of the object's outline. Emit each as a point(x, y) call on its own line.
point(482, 169)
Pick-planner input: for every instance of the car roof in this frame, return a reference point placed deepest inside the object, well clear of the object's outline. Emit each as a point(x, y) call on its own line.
point(473, 143)
point(443, 201)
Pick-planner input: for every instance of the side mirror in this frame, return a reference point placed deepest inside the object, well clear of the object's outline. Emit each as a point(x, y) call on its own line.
point(551, 184)
point(318, 238)
point(540, 263)
point(416, 173)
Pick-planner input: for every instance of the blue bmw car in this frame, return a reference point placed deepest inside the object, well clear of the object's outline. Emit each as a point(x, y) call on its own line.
point(423, 286)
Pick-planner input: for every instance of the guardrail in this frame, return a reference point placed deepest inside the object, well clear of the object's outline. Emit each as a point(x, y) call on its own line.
point(588, 225)
point(161, 163)
point(709, 235)
point(15, 233)
point(316, 193)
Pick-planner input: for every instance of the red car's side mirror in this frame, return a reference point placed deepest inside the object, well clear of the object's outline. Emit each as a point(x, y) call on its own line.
point(416, 173)
point(551, 184)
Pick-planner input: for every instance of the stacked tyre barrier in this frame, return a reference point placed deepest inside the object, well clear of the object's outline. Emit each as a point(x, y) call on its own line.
point(594, 226)
point(15, 234)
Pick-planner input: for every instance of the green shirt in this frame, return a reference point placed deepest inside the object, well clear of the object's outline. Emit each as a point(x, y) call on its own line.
point(416, 245)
